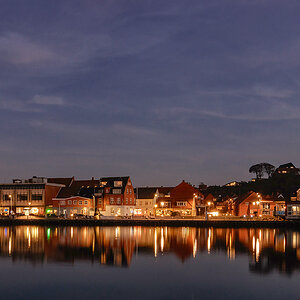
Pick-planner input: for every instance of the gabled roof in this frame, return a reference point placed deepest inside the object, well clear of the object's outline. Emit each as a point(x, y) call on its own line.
point(75, 188)
point(60, 180)
point(165, 190)
point(243, 197)
point(145, 192)
point(110, 181)
point(288, 165)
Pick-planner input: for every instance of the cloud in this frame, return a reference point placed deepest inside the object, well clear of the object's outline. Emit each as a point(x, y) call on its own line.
point(48, 100)
point(17, 106)
point(18, 49)
point(275, 111)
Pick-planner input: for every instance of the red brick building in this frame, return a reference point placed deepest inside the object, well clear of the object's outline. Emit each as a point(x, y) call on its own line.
point(117, 197)
point(255, 204)
point(183, 199)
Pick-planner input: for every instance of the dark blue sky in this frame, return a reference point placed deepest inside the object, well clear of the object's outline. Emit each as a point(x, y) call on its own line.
point(159, 90)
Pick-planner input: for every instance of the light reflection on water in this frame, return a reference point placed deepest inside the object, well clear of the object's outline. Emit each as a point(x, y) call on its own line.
point(267, 249)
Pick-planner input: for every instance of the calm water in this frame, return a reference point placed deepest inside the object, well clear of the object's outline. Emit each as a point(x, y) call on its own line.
point(148, 263)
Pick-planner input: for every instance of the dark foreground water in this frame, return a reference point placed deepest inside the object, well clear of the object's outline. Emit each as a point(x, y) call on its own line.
point(148, 263)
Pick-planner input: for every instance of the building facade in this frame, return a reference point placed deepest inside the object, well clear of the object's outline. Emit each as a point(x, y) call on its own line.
point(31, 196)
point(184, 199)
point(116, 197)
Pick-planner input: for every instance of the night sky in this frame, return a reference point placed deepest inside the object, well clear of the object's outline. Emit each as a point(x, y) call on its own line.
point(159, 90)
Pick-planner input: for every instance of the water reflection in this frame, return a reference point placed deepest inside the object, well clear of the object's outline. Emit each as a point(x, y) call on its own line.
point(267, 249)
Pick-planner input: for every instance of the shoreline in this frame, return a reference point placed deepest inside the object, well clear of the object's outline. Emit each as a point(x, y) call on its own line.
point(153, 223)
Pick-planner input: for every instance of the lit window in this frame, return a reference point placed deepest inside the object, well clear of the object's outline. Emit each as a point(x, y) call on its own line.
point(116, 191)
point(119, 201)
point(80, 202)
point(111, 200)
point(86, 202)
point(75, 202)
point(70, 202)
point(126, 200)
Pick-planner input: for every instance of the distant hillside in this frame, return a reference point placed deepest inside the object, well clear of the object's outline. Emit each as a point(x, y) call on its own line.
point(286, 184)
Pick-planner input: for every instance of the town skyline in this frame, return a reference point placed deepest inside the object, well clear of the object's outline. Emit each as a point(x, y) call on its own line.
point(156, 183)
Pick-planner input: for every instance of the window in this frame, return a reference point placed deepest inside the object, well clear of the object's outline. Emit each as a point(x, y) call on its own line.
point(80, 202)
point(111, 200)
point(127, 191)
point(126, 200)
point(75, 202)
point(112, 210)
point(86, 202)
point(130, 191)
point(146, 202)
point(100, 201)
point(117, 183)
point(37, 197)
point(119, 201)
point(62, 202)
point(181, 203)
point(116, 191)
point(22, 197)
point(6, 197)
point(70, 202)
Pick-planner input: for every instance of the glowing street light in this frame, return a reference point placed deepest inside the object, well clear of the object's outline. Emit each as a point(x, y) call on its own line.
point(10, 197)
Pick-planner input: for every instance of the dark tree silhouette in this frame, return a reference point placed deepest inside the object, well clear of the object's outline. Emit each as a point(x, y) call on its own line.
point(268, 168)
point(258, 170)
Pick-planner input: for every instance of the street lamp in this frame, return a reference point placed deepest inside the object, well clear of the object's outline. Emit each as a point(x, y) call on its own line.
point(155, 207)
point(10, 197)
point(29, 203)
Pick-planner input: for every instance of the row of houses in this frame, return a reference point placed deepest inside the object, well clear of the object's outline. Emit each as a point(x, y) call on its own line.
point(116, 196)
point(108, 196)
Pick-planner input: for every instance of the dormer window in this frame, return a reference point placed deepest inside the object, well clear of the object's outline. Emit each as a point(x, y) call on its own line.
point(117, 183)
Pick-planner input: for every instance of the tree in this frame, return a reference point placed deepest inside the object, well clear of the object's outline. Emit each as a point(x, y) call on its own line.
point(258, 170)
point(268, 168)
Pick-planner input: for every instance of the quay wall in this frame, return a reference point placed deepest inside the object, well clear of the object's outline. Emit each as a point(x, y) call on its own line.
point(154, 223)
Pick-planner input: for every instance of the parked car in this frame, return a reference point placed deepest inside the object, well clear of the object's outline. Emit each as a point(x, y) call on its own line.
point(52, 216)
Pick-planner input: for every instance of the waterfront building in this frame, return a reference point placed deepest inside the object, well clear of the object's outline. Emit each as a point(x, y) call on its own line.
point(255, 204)
point(293, 210)
point(32, 196)
point(184, 199)
point(77, 198)
point(146, 200)
point(116, 197)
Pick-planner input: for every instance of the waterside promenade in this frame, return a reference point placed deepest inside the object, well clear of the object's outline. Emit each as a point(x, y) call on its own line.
point(215, 223)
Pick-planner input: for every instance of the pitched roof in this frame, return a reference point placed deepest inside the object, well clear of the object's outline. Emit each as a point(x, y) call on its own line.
point(288, 165)
point(110, 181)
point(145, 192)
point(242, 198)
point(75, 188)
point(165, 190)
point(60, 180)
